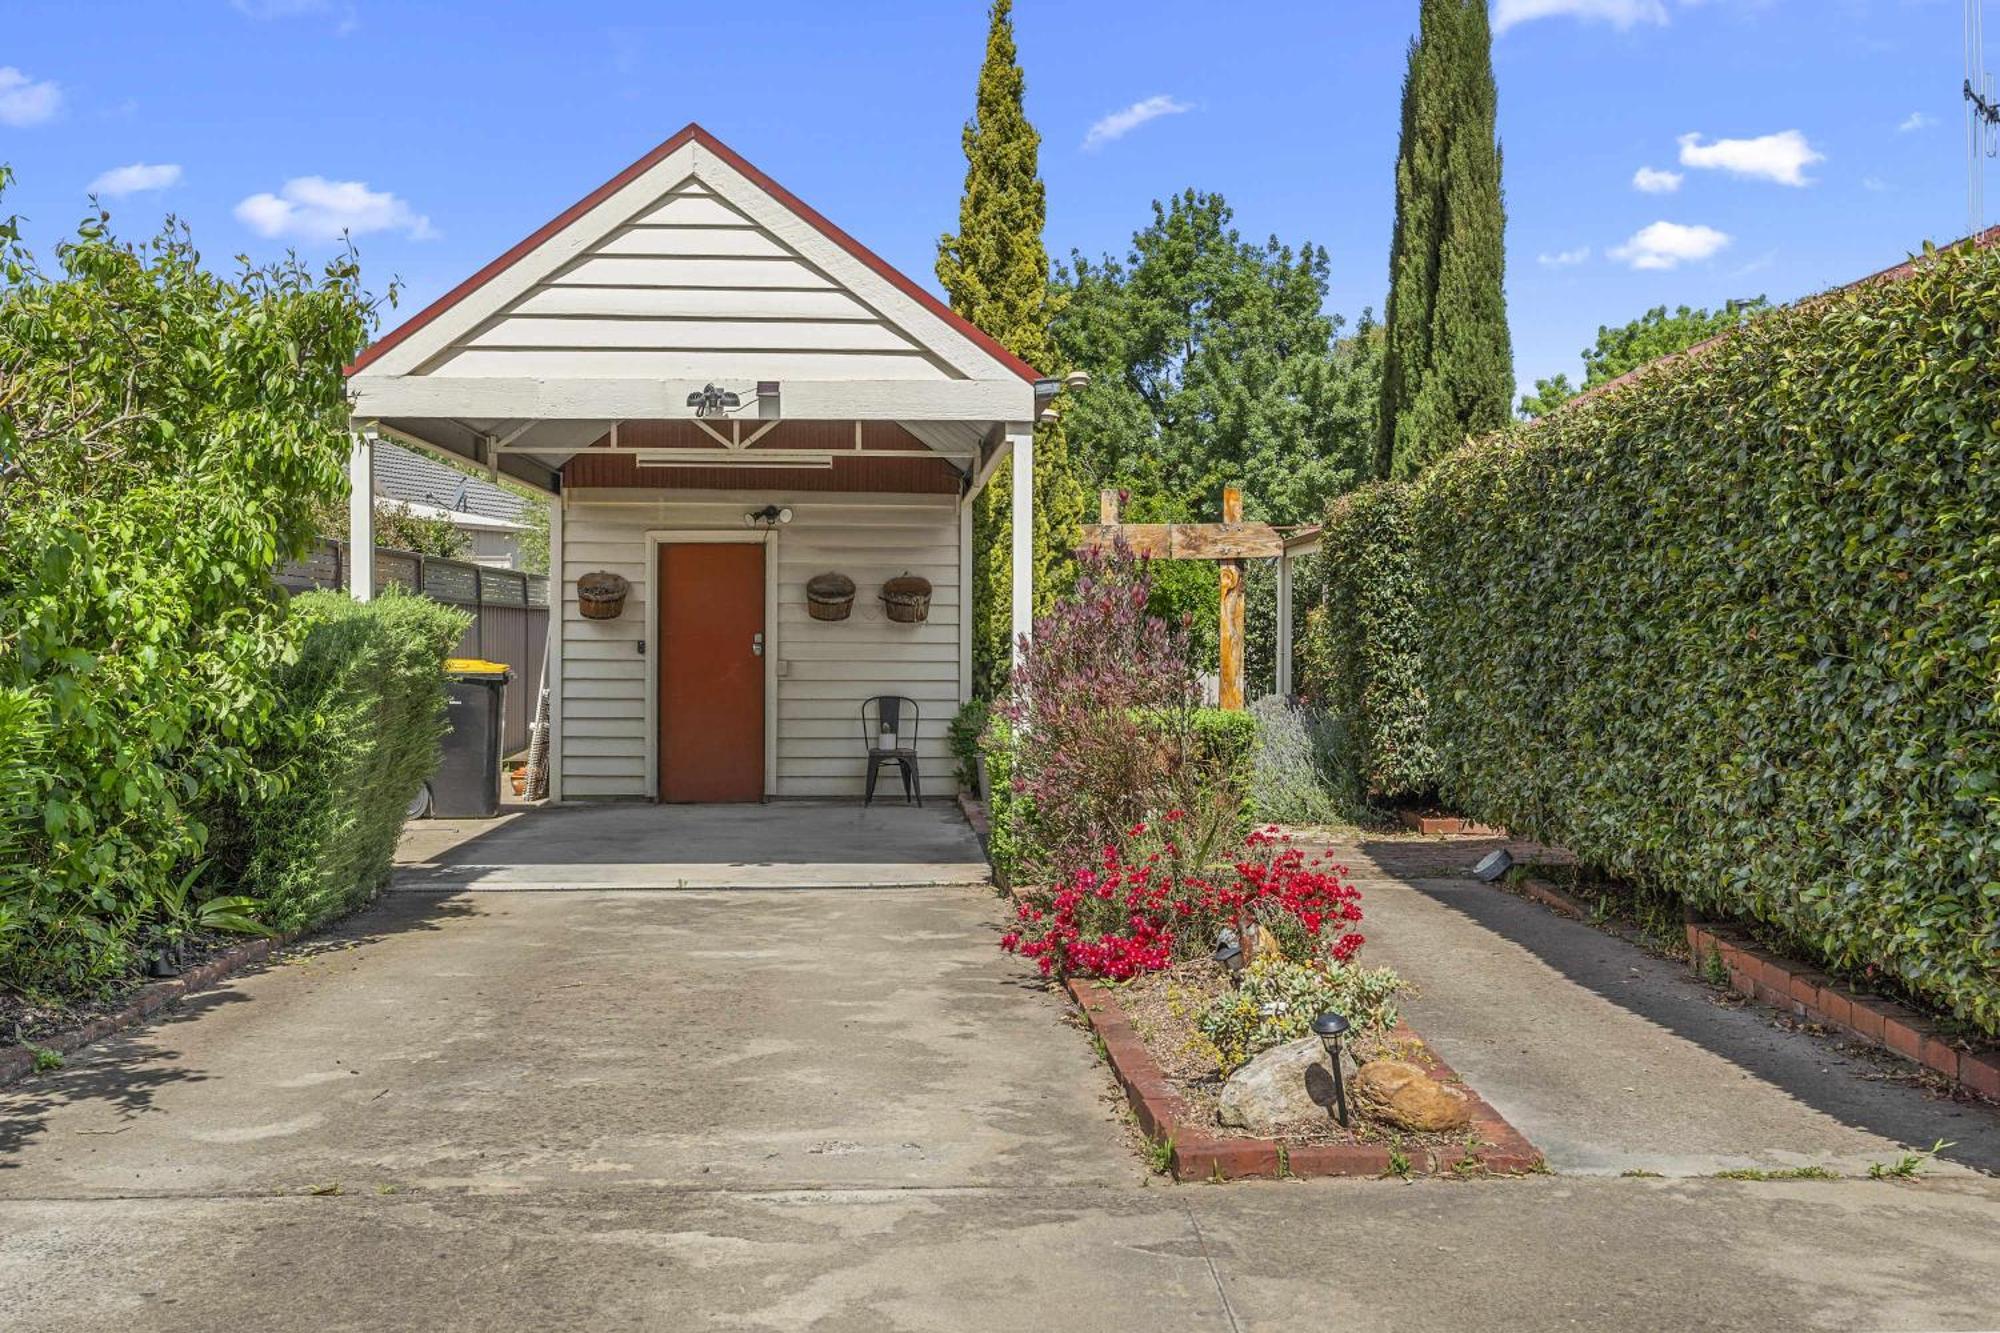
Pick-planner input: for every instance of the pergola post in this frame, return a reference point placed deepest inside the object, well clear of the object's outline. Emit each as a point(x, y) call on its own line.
point(1284, 681)
point(1230, 694)
point(1021, 439)
point(361, 517)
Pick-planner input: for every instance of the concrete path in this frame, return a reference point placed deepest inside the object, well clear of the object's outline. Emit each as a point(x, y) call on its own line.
point(845, 1109)
point(1611, 1059)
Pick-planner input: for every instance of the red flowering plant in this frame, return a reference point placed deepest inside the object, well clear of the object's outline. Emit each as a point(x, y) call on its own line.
point(1148, 905)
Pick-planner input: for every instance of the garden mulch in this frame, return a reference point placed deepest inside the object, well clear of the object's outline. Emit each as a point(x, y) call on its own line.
point(1200, 1149)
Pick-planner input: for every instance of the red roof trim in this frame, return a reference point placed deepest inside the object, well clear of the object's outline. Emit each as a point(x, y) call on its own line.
point(696, 134)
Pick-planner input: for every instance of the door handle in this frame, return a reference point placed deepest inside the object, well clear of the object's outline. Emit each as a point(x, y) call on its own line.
point(757, 643)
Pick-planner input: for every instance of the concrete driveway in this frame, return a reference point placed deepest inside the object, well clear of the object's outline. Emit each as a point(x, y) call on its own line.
point(838, 1107)
point(784, 845)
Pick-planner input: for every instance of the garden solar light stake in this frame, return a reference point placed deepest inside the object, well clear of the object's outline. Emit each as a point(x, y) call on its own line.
point(1329, 1028)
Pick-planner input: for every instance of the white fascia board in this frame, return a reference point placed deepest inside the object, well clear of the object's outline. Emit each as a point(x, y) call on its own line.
point(513, 282)
point(473, 397)
point(810, 243)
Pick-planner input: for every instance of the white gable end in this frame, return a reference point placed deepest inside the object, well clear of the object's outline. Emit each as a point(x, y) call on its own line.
point(690, 272)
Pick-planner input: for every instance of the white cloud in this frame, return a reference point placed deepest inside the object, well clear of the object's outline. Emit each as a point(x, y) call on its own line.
point(316, 209)
point(1875, 185)
point(1781, 157)
point(1667, 245)
point(1916, 120)
point(1564, 258)
point(1618, 13)
point(1121, 123)
point(1652, 180)
point(138, 177)
point(23, 102)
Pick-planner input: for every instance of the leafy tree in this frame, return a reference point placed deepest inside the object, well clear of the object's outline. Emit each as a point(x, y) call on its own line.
point(1648, 338)
point(1212, 362)
point(165, 434)
point(996, 271)
point(1448, 370)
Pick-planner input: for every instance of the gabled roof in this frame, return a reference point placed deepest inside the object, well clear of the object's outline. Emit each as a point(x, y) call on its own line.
point(411, 477)
point(706, 207)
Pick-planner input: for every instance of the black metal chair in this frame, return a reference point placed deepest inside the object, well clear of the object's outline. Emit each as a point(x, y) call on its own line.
point(882, 732)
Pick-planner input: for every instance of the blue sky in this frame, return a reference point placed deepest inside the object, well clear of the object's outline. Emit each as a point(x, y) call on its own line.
point(1797, 143)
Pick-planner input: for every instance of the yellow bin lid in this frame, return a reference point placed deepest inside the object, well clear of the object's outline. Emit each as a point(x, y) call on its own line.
point(475, 666)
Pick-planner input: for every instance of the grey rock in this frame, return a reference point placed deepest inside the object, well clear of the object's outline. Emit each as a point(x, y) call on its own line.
point(1286, 1085)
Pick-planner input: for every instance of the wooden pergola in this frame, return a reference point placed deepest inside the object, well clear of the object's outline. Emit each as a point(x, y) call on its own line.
point(1228, 543)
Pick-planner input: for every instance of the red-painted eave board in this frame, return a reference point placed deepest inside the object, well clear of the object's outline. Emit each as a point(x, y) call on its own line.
point(695, 134)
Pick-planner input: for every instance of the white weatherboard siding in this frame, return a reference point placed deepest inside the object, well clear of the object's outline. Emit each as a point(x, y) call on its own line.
point(685, 289)
point(825, 669)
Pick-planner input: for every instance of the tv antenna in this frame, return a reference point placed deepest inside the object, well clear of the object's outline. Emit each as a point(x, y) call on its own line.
point(1982, 115)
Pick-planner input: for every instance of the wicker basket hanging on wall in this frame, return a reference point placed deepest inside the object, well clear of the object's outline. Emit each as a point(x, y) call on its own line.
point(829, 597)
point(907, 599)
point(601, 595)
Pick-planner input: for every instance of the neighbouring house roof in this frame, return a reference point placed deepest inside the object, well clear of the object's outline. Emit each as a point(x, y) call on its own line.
point(407, 476)
point(521, 337)
point(1980, 240)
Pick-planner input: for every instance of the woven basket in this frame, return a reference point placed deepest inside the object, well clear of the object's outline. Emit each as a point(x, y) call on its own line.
point(601, 596)
point(907, 599)
point(830, 597)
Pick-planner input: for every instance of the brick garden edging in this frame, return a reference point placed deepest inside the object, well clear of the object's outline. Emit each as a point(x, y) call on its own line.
point(1446, 826)
point(1817, 998)
point(1200, 1154)
point(19, 1061)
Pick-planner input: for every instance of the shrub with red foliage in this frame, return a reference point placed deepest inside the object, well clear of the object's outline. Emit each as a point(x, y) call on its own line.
point(1136, 913)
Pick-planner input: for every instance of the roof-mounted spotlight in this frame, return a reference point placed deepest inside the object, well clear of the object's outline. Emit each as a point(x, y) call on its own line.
point(710, 401)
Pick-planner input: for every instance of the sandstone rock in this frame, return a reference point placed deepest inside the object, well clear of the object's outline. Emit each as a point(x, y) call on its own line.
point(1260, 944)
point(1286, 1085)
point(1404, 1095)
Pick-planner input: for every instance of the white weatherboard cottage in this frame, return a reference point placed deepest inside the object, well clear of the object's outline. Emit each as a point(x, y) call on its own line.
point(863, 405)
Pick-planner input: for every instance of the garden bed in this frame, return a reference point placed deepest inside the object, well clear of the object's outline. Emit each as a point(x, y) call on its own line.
point(1174, 1100)
point(42, 1035)
point(1434, 823)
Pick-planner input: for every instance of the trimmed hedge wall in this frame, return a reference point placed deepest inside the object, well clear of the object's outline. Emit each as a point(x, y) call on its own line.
point(366, 711)
point(1365, 651)
point(1732, 630)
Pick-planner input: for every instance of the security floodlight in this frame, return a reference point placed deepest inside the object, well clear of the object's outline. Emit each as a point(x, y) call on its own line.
point(710, 401)
point(770, 516)
point(1330, 1028)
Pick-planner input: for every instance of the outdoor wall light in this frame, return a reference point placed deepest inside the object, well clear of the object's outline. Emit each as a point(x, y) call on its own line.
point(770, 516)
point(710, 401)
point(1229, 952)
point(1493, 866)
point(1330, 1028)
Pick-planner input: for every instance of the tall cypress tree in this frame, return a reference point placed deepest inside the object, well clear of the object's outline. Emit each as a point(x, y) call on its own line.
point(996, 271)
point(1448, 367)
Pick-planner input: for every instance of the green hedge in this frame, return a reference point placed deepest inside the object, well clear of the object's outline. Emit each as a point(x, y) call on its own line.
point(365, 707)
point(1732, 631)
point(1363, 654)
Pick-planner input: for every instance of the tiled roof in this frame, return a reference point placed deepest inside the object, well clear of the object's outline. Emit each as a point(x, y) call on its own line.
point(414, 478)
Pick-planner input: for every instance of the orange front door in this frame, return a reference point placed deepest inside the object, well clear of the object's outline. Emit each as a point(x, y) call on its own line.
point(711, 609)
